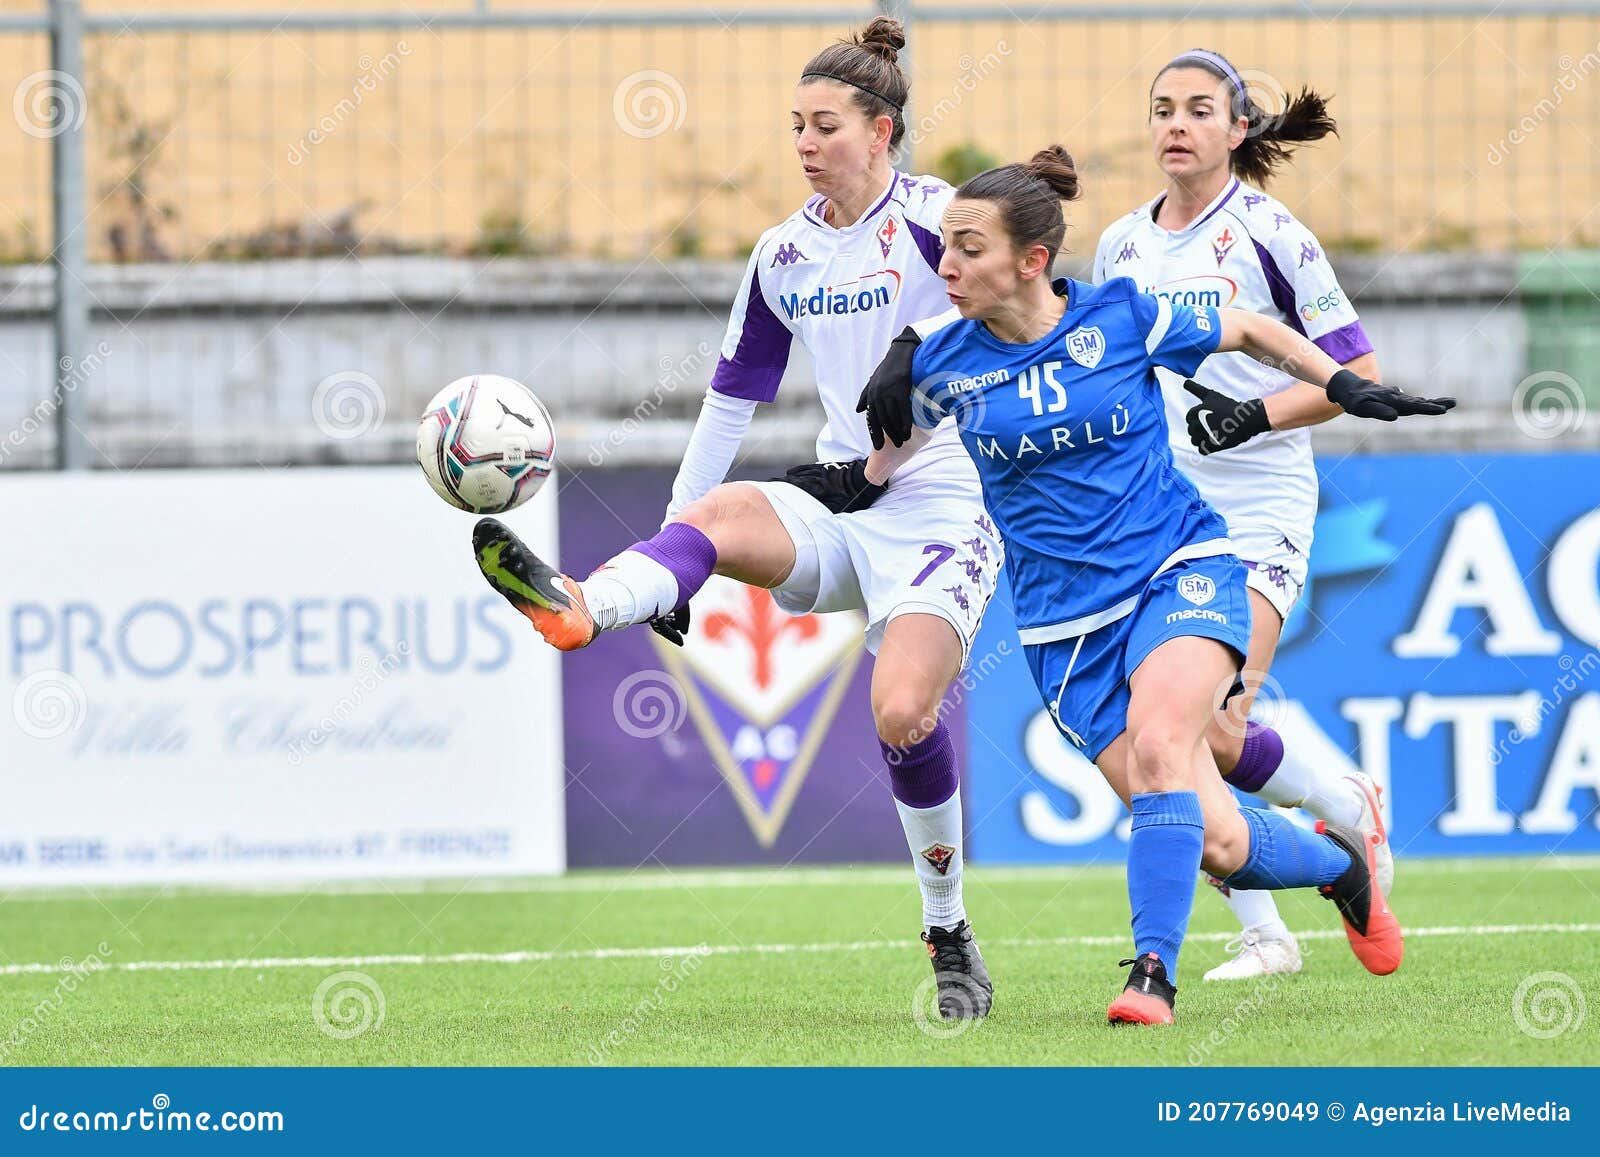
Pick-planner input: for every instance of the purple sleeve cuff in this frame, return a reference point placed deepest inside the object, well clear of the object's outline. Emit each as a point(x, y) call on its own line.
point(752, 383)
point(1345, 344)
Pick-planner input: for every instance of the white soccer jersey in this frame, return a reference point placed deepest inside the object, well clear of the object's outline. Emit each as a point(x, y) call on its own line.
point(845, 294)
point(1246, 251)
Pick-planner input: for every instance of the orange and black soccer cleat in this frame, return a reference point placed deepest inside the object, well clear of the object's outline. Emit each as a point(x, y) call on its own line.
point(551, 601)
point(1148, 997)
point(1372, 929)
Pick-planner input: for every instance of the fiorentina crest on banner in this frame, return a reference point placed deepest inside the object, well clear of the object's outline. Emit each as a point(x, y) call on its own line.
point(762, 687)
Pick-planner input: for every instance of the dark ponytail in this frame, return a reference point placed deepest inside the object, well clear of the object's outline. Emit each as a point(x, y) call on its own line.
point(1270, 138)
point(866, 65)
point(1029, 197)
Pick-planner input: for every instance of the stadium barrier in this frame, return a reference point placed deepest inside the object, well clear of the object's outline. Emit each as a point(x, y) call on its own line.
point(252, 675)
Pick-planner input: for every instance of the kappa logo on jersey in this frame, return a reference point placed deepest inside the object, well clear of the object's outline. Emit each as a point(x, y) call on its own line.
point(788, 254)
point(1129, 253)
point(1221, 243)
point(1308, 252)
point(873, 291)
point(763, 688)
point(1086, 346)
point(1197, 588)
point(1279, 220)
point(886, 236)
point(1251, 200)
point(938, 857)
point(1206, 289)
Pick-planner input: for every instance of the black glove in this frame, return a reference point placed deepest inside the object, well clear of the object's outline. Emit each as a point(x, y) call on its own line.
point(886, 399)
point(840, 486)
point(1220, 422)
point(672, 626)
point(1353, 394)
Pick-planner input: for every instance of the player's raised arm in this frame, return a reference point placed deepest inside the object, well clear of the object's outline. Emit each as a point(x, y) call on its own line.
point(1273, 343)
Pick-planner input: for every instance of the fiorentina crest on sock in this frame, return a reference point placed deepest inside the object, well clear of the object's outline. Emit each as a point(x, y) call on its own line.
point(763, 686)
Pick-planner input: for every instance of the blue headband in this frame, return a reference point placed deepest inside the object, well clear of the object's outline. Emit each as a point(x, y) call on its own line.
point(1218, 63)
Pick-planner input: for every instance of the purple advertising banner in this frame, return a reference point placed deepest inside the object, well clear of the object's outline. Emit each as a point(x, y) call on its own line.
point(753, 744)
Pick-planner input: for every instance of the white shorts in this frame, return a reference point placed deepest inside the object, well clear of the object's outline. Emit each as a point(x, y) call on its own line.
point(926, 547)
point(1276, 562)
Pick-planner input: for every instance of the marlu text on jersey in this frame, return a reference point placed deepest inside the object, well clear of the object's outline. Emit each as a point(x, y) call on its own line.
point(1058, 437)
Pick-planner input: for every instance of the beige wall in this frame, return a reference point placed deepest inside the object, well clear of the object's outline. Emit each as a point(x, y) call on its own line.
point(520, 126)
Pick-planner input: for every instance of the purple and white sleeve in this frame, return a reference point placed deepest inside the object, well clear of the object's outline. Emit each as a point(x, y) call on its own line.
point(1305, 288)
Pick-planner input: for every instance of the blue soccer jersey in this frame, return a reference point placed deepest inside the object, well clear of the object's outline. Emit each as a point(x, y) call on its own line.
point(1069, 436)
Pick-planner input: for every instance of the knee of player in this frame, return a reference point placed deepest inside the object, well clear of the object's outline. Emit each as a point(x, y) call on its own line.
point(722, 505)
point(902, 717)
point(1226, 740)
point(1162, 755)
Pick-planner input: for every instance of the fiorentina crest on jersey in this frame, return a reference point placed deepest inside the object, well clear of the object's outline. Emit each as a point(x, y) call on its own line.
point(886, 236)
point(763, 687)
point(1197, 588)
point(1086, 346)
point(1221, 243)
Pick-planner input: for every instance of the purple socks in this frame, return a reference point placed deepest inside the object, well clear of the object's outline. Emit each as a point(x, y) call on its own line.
point(1263, 752)
point(686, 552)
point(924, 774)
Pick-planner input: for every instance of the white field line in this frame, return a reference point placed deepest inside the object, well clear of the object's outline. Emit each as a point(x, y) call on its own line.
point(713, 950)
point(659, 879)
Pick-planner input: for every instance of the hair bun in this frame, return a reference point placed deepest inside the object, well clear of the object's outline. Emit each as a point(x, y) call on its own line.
point(884, 37)
point(1054, 166)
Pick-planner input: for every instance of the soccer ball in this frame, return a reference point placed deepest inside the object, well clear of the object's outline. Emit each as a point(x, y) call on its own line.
point(486, 443)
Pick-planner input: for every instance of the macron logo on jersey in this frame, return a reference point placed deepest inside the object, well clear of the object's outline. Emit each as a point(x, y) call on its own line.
point(873, 291)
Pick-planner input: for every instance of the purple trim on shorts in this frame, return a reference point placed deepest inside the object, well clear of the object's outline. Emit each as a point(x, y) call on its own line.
point(1282, 291)
point(929, 244)
point(1263, 752)
point(686, 552)
point(1345, 344)
point(924, 774)
point(757, 365)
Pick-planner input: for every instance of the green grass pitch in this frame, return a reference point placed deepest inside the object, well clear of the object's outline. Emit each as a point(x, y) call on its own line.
point(802, 966)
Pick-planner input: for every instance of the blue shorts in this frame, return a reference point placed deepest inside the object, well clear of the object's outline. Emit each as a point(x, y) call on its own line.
point(1084, 680)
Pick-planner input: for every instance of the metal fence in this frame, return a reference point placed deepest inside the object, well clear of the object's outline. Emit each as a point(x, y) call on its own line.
point(239, 166)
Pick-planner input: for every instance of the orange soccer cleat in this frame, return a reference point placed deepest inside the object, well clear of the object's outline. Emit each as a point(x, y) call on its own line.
point(551, 601)
point(1372, 929)
point(1148, 997)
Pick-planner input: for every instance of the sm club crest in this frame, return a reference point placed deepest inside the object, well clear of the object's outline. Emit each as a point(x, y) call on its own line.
point(763, 687)
point(1086, 346)
point(1197, 588)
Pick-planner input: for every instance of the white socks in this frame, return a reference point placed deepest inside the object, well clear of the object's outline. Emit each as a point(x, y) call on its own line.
point(934, 836)
point(629, 589)
point(1256, 910)
point(1317, 788)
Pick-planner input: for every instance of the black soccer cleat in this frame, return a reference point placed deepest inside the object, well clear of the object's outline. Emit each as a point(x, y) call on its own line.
point(1373, 931)
point(965, 992)
point(550, 600)
point(1148, 996)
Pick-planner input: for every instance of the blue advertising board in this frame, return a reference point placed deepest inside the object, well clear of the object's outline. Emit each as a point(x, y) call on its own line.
point(1446, 644)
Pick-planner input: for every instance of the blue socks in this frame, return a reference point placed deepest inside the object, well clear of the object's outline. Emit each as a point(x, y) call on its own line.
point(1163, 860)
point(1284, 855)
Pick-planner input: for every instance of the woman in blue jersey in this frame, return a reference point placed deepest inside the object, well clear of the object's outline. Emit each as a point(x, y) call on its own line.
point(1130, 602)
point(840, 276)
point(1212, 235)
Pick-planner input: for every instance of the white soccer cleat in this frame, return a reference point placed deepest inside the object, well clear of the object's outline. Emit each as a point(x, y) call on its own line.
point(1371, 825)
point(1255, 956)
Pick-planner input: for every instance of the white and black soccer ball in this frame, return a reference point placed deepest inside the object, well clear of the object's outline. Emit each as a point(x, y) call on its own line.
point(486, 443)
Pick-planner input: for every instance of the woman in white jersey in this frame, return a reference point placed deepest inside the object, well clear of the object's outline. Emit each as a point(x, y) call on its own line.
point(1212, 237)
point(842, 276)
